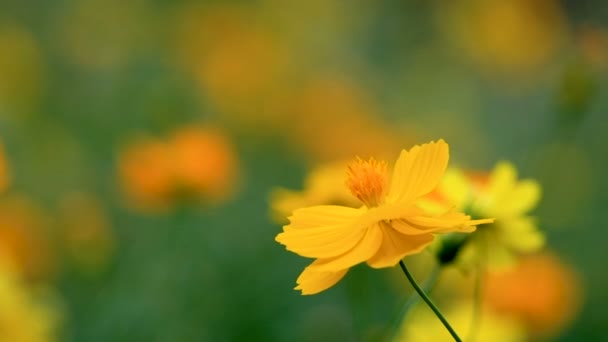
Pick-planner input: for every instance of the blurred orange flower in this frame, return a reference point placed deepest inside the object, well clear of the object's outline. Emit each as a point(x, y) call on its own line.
point(204, 161)
point(146, 172)
point(593, 43)
point(24, 245)
point(542, 291)
point(193, 162)
point(24, 241)
point(5, 176)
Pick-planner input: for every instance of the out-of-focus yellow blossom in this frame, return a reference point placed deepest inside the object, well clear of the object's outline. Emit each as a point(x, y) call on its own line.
point(324, 184)
point(24, 240)
point(194, 162)
point(422, 325)
point(541, 291)
point(502, 196)
point(102, 34)
point(505, 37)
point(385, 229)
point(336, 110)
point(237, 61)
point(87, 237)
point(21, 70)
point(5, 176)
point(25, 317)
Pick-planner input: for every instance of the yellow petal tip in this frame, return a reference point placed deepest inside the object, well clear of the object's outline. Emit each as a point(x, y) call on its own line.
point(482, 221)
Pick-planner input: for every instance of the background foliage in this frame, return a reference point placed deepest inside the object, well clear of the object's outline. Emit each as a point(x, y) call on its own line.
point(287, 85)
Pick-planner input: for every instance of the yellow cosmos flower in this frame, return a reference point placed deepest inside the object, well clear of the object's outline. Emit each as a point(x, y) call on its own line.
point(389, 226)
point(501, 196)
point(85, 232)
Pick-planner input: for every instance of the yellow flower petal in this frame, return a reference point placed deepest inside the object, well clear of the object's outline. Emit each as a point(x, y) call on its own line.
point(502, 180)
point(406, 228)
point(448, 222)
point(522, 198)
point(365, 249)
point(521, 234)
point(322, 215)
point(388, 212)
point(456, 188)
point(311, 281)
point(322, 231)
point(395, 246)
point(418, 171)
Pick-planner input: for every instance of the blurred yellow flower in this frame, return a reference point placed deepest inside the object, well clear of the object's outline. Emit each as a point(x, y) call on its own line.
point(238, 62)
point(541, 291)
point(102, 34)
point(5, 176)
point(385, 229)
point(194, 162)
point(86, 233)
point(422, 325)
point(507, 38)
point(499, 195)
point(323, 185)
point(25, 317)
point(22, 70)
point(337, 110)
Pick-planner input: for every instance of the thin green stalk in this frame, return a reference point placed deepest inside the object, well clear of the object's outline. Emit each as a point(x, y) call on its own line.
point(428, 301)
point(427, 287)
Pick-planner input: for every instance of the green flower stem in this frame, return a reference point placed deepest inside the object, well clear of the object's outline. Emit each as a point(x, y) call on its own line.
point(428, 301)
point(427, 287)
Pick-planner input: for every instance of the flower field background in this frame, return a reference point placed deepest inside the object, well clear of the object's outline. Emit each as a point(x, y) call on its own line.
point(150, 152)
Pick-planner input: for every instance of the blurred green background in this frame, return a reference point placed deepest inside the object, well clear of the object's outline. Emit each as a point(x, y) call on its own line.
point(94, 94)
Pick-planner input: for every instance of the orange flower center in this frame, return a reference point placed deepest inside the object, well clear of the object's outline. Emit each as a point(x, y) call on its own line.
point(367, 180)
